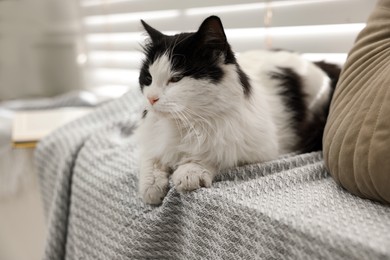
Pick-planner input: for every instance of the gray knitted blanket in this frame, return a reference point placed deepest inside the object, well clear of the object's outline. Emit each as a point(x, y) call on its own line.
point(288, 208)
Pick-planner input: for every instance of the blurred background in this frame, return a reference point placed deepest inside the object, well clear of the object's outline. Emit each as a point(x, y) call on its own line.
point(51, 48)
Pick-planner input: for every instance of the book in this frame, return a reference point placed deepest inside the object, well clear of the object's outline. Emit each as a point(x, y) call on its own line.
point(28, 127)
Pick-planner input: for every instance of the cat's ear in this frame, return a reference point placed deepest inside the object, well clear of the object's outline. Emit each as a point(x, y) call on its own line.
point(154, 34)
point(211, 32)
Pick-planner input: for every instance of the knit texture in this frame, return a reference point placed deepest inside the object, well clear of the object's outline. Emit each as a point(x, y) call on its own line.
point(284, 209)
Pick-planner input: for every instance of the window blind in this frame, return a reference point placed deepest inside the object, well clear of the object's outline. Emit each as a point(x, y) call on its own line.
point(112, 34)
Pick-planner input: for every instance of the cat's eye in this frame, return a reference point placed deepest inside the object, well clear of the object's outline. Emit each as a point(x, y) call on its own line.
point(175, 79)
point(148, 79)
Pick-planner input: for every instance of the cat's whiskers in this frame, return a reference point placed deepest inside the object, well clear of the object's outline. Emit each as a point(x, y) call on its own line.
point(182, 122)
point(202, 122)
point(191, 131)
point(205, 124)
point(214, 114)
point(175, 115)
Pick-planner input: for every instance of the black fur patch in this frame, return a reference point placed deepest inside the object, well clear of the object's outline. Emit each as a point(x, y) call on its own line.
point(292, 93)
point(186, 58)
point(198, 55)
point(308, 127)
point(332, 70)
point(244, 82)
point(316, 127)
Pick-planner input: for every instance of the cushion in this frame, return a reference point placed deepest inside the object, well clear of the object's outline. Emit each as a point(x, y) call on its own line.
point(357, 134)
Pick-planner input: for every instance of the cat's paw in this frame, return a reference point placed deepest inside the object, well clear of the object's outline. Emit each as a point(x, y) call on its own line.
point(154, 188)
point(191, 176)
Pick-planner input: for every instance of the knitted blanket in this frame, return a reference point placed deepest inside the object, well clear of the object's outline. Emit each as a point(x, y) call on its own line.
point(287, 208)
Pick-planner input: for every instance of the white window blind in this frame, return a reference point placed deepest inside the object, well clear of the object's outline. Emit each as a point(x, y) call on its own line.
point(112, 33)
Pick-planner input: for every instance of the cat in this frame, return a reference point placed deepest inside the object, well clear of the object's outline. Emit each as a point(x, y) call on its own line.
point(208, 110)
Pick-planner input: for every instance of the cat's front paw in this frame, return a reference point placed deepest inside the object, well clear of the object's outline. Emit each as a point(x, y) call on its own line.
point(191, 176)
point(154, 188)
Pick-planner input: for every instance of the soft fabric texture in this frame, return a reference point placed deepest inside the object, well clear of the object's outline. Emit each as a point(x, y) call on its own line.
point(15, 176)
point(357, 134)
point(287, 208)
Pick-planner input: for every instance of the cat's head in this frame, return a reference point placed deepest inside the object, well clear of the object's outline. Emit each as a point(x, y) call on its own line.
point(190, 72)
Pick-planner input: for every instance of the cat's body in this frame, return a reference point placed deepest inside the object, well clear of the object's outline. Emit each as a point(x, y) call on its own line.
point(208, 111)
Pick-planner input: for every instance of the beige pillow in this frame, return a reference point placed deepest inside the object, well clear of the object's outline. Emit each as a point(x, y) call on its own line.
point(357, 134)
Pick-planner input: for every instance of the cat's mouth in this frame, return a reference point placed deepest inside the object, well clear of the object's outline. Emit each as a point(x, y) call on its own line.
point(160, 110)
point(165, 109)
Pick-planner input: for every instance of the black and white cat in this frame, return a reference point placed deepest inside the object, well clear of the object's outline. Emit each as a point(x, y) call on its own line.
point(207, 111)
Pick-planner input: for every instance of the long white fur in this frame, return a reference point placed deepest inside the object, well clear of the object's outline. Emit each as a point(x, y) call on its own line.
point(197, 128)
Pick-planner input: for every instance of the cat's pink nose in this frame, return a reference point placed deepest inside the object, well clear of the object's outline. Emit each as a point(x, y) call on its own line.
point(153, 100)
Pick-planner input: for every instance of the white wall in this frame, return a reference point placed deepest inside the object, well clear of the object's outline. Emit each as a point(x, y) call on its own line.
point(38, 48)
